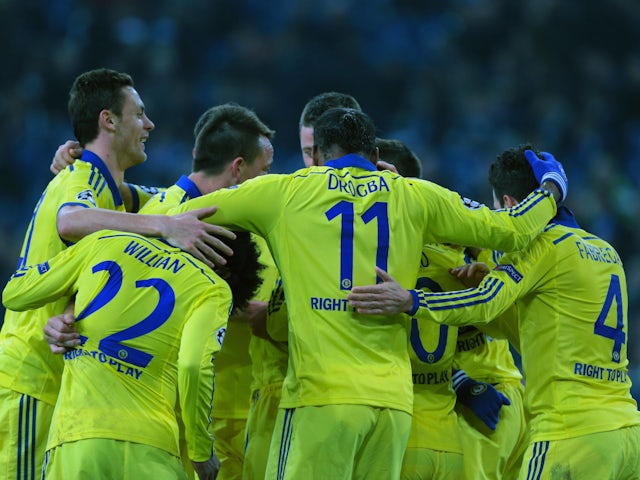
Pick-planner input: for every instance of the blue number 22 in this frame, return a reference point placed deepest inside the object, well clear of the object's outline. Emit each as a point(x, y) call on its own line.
point(112, 344)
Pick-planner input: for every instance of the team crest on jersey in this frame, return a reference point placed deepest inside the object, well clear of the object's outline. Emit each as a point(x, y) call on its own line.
point(86, 196)
point(510, 270)
point(471, 204)
point(220, 335)
point(43, 267)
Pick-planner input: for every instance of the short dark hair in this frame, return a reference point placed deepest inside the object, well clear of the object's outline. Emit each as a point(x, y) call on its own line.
point(511, 174)
point(92, 92)
point(225, 132)
point(242, 271)
point(351, 130)
point(323, 102)
point(402, 157)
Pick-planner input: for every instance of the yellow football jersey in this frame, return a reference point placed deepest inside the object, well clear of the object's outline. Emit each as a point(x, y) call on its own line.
point(327, 228)
point(151, 317)
point(571, 294)
point(26, 363)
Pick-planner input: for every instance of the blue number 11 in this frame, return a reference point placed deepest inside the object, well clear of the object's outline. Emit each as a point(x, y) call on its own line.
point(377, 210)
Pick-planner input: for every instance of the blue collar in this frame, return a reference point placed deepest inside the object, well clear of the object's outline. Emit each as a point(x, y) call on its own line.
point(96, 161)
point(351, 160)
point(565, 217)
point(189, 187)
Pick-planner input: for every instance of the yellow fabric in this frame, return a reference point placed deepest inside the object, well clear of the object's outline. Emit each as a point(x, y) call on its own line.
point(335, 355)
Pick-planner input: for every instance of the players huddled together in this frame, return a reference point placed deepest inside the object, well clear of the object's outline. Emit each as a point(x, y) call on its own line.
point(349, 320)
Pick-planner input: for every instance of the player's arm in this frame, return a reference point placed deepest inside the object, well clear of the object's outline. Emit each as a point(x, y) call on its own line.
point(493, 296)
point(186, 231)
point(254, 206)
point(451, 219)
point(36, 285)
point(201, 340)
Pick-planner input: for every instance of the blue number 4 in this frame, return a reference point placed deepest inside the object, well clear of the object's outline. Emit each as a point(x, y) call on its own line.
point(616, 334)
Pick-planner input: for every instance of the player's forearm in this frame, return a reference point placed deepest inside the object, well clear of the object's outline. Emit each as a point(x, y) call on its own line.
point(76, 223)
point(553, 189)
point(477, 306)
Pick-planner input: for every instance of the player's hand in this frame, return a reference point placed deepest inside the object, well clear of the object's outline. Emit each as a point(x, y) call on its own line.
point(254, 315)
point(66, 154)
point(61, 334)
point(382, 165)
point(470, 274)
point(386, 298)
point(207, 470)
point(549, 169)
point(482, 398)
point(201, 239)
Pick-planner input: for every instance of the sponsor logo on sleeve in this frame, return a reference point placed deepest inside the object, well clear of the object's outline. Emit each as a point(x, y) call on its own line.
point(510, 270)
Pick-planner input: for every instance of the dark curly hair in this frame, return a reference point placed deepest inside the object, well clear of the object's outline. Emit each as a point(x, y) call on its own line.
point(242, 271)
point(350, 129)
point(511, 174)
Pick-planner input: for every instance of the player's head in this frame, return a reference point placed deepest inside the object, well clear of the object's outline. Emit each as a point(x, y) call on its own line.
point(91, 93)
point(312, 111)
point(511, 176)
point(402, 157)
point(341, 131)
point(232, 133)
point(242, 271)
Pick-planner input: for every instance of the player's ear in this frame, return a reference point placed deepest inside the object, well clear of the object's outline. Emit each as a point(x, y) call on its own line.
point(107, 120)
point(237, 165)
point(509, 201)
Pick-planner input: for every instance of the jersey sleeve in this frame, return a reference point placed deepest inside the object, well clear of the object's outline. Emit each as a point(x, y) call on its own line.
point(515, 276)
point(201, 340)
point(254, 206)
point(277, 313)
point(452, 219)
point(33, 286)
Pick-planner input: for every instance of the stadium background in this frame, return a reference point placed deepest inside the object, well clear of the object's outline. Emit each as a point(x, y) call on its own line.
point(459, 81)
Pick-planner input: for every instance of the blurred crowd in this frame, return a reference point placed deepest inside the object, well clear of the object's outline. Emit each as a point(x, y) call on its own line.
point(458, 81)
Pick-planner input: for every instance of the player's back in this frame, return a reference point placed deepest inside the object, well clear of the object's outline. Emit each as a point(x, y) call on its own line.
point(574, 337)
point(336, 226)
point(135, 311)
point(26, 363)
point(432, 349)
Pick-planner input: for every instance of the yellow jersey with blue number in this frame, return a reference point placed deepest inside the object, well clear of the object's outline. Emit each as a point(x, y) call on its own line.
point(432, 349)
point(327, 228)
point(151, 317)
point(26, 363)
point(571, 300)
